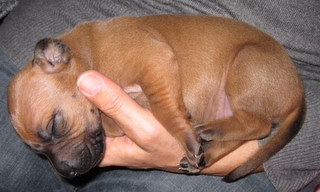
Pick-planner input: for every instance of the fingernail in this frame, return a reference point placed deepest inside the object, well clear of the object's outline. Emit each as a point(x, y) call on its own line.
point(90, 84)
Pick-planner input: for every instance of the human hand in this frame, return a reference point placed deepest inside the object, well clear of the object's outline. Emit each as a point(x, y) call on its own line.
point(146, 144)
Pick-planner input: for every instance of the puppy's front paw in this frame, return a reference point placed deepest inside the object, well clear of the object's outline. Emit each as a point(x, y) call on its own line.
point(192, 163)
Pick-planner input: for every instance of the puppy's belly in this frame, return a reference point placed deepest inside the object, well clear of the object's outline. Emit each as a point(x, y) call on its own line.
point(211, 107)
point(222, 106)
point(215, 107)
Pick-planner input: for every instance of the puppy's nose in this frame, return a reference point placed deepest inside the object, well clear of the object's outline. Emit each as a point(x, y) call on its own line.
point(71, 162)
point(65, 169)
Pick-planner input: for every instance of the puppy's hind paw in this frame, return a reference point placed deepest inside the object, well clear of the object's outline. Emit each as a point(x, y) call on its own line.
point(205, 132)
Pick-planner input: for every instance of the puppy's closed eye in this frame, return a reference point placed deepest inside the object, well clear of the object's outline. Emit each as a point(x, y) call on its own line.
point(55, 127)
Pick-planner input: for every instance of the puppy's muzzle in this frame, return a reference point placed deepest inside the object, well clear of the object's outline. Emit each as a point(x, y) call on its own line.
point(76, 158)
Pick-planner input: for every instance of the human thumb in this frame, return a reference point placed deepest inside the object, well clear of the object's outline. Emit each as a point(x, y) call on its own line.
point(137, 122)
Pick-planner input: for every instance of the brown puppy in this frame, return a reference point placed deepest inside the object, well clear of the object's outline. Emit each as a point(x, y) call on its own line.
point(229, 80)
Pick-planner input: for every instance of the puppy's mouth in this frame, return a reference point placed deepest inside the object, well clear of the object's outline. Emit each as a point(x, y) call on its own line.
point(81, 157)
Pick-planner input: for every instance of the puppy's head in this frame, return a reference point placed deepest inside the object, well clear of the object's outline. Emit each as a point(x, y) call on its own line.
point(49, 113)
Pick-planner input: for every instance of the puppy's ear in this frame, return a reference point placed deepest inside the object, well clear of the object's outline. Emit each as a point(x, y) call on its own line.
point(52, 55)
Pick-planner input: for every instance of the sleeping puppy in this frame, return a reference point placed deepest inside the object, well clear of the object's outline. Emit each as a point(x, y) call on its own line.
point(212, 82)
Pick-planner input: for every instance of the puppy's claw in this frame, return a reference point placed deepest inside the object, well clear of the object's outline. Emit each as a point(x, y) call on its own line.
point(202, 161)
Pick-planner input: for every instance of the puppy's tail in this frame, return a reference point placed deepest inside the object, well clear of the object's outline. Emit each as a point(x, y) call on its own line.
point(286, 131)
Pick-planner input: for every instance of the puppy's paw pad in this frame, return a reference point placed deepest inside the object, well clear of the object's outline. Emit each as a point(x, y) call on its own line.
point(186, 167)
point(194, 163)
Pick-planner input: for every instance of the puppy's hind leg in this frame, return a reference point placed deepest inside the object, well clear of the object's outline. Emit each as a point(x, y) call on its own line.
point(242, 126)
point(264, 89)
